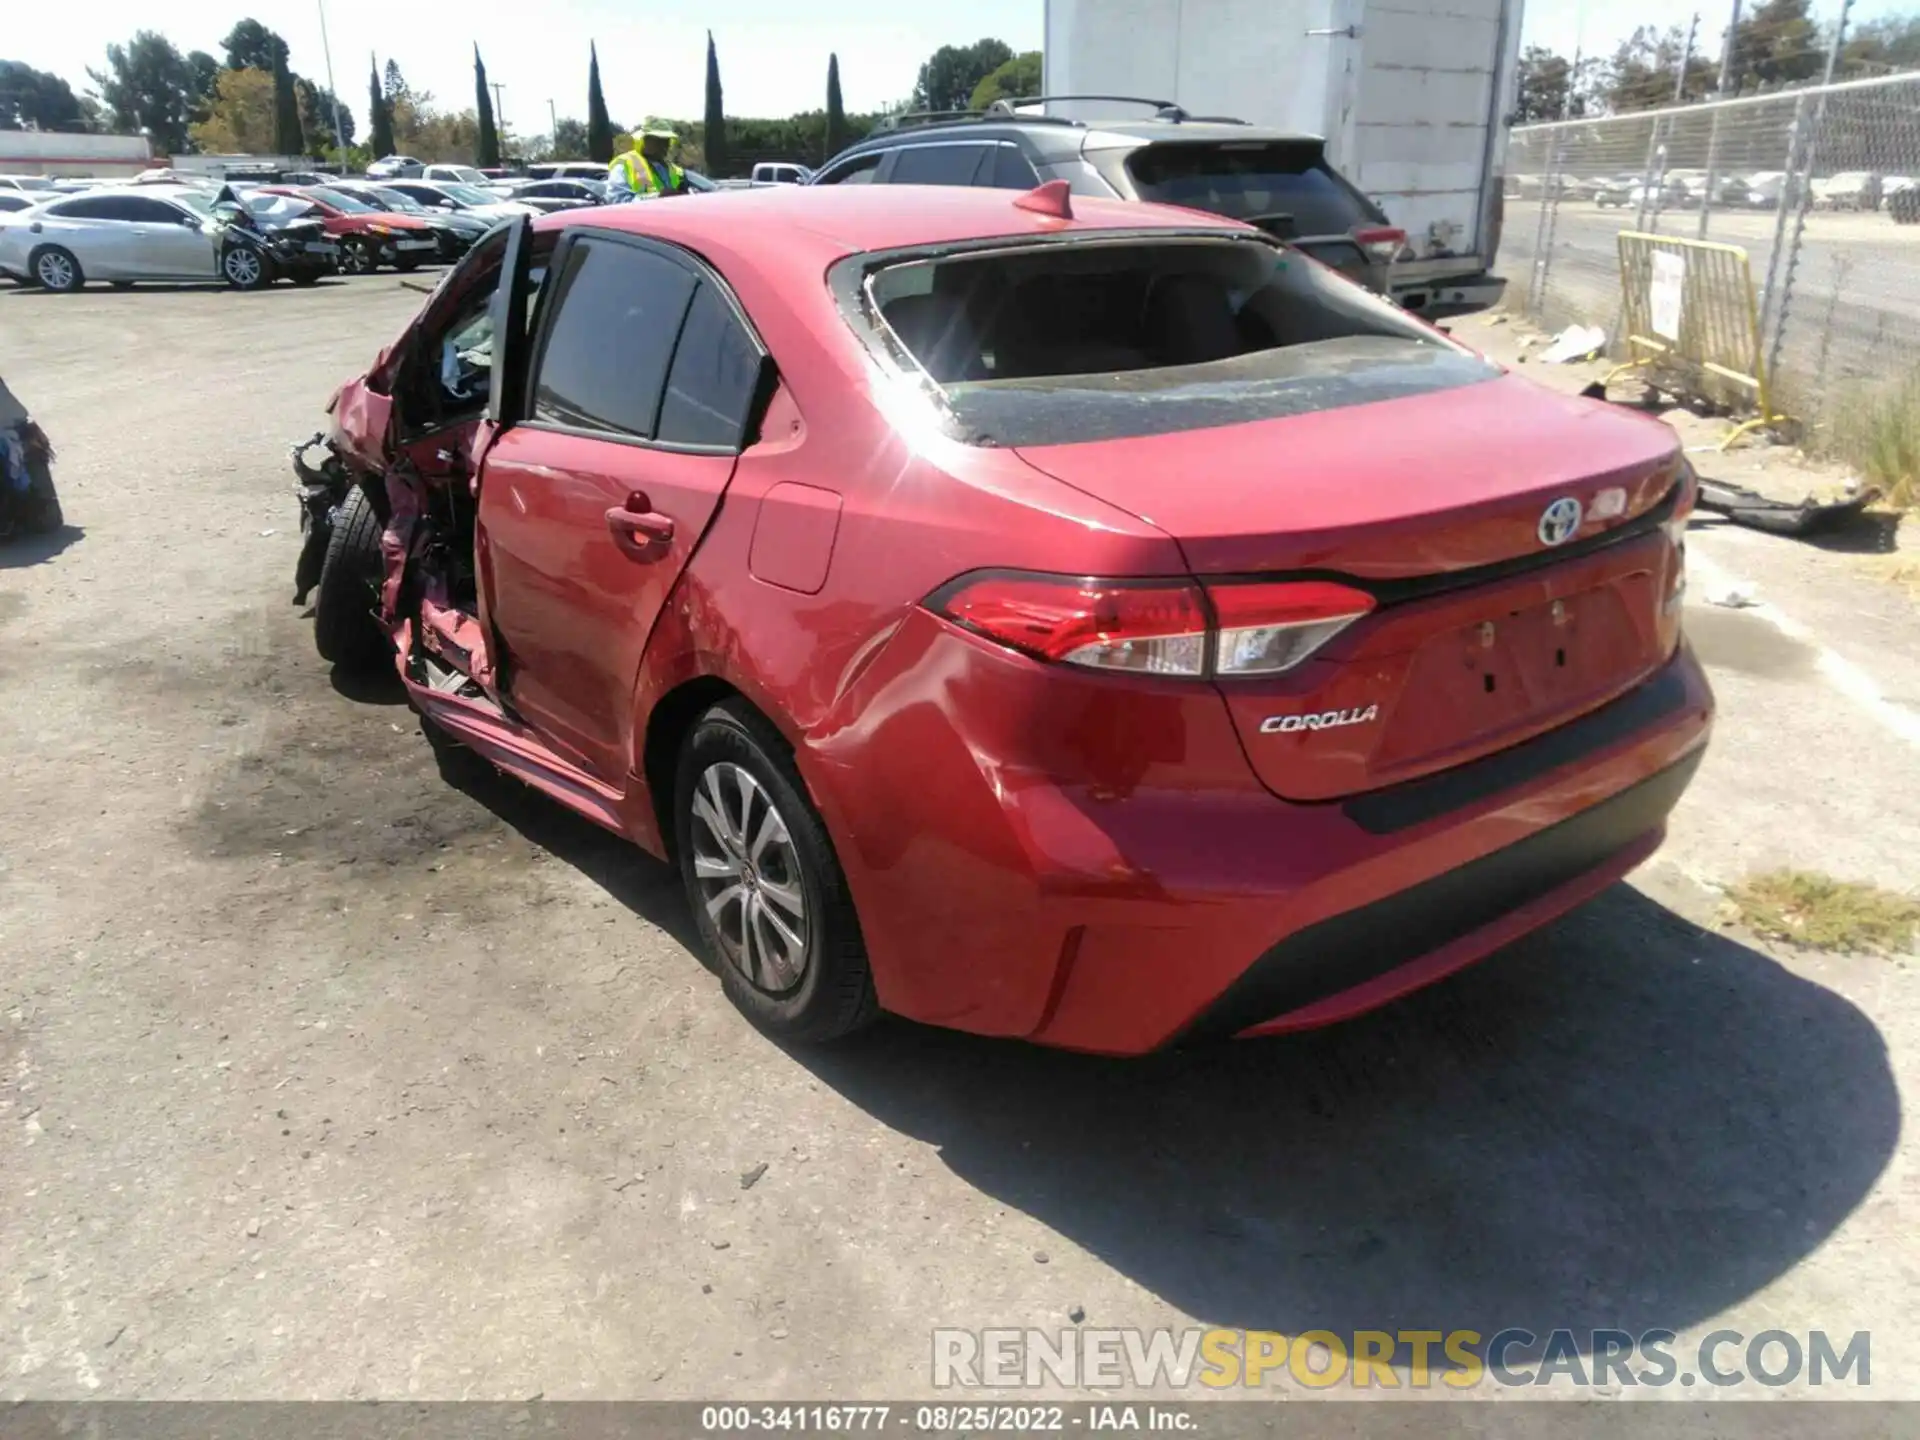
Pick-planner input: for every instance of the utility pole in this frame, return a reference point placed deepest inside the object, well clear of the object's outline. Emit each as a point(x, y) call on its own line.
point(553, 121)
point(1659, 168)
point(499, 105)
point(1713, 136)
point(339, 131)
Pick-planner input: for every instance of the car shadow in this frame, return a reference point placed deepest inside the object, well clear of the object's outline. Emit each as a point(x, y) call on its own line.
point(1625, 1121)
point(649, 888)
point(379, 685)
point(24, 550)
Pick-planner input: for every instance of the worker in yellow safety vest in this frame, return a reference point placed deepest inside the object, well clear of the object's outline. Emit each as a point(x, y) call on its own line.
point(647, 170)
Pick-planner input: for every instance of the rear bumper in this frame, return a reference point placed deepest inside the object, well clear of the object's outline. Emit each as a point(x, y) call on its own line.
point(1449, 294)
point(1026, 865)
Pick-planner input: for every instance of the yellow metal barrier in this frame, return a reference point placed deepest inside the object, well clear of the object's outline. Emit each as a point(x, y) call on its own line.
point(1693, 326)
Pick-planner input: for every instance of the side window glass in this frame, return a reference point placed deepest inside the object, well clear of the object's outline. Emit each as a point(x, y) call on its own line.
point(617, 317)
point(1010, 170)
point(148, 212)
point(716, 369)
point(858, 172)
point(937, 165)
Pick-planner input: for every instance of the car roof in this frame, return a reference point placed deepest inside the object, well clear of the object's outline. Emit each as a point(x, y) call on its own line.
point(828, 223)
point(1058, 133)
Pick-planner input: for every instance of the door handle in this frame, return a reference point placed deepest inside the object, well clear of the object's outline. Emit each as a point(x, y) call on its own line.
point(642, 532)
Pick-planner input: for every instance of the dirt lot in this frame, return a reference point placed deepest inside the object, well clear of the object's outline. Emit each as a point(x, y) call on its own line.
point(326, 1077)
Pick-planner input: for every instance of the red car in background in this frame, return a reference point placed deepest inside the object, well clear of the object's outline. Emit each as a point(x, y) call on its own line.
point(369, 238)
point(1076, 620)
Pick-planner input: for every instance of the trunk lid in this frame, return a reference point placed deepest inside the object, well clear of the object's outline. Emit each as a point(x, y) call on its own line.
point(1484, 633)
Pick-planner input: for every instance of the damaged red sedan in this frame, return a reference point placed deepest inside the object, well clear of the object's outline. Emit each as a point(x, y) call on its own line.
point(1089, 622)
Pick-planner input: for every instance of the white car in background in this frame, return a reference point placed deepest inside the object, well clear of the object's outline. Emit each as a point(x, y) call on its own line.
point(458, 174)
point(465, 199)
point(119, 234)
point(389, 167)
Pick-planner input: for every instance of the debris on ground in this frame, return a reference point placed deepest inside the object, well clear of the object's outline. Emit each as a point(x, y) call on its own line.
point(1809, 516)
point(1575, 343)
point(1076, 1313)
point(1733, 597)
point(1040, 1257)
point(751, 1178)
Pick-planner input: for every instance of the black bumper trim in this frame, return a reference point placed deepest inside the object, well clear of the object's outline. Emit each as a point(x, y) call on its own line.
point(1414, 802)
point(1356, 946)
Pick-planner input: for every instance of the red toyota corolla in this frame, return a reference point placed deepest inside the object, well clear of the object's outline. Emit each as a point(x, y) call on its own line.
point(1044, 617)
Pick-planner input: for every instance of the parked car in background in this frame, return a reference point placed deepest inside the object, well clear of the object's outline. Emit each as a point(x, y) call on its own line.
point(1904, 204)
point(126, 236)
point(455, 230)
point(34, 185)
point(11, 200)
point(1018, 696)
point(1614, 191)
point(1849, 190)
point(368, 236)
point(272, 238)
point(1769, 189)
point(1281, 183)
point(459, 174)
point(551, 195)
point(462, 199)
point(567, 170)
point(780, 172)
point(393, 166)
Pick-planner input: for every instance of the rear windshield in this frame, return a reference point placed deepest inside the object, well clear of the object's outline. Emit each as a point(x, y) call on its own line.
point(340, 200)
point(1284, 187)
point(1060, 343)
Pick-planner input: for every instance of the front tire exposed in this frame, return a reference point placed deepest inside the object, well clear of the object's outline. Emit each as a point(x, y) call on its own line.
point(245, 269)
point(766, 888)
point(42, 507)
point(357, 257)
point(346, 604)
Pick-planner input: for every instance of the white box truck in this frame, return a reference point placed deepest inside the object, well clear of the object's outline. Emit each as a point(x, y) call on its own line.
point(1412, 98)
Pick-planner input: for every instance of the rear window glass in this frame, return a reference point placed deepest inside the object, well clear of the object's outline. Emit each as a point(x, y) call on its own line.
point(1062, 343)
point(1285, 188)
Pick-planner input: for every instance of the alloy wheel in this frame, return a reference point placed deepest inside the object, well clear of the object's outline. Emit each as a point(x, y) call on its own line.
point(55, 271)
point(356, 257)
point(747, 868)
point(243, 267)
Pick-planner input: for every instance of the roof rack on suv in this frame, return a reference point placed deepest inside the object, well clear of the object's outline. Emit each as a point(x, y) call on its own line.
point(1163, 109)
point(958, 117)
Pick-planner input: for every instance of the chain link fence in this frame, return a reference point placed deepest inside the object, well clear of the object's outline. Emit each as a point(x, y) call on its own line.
point(1821, 186)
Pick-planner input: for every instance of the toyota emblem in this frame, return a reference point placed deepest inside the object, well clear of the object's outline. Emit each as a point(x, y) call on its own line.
point(1559, 521)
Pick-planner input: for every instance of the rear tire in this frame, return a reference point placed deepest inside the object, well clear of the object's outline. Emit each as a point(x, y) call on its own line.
point(768, 895)
point(346, 625)
point(55, 269)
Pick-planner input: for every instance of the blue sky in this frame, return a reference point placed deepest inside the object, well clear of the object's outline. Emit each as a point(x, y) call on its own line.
point(773, 53)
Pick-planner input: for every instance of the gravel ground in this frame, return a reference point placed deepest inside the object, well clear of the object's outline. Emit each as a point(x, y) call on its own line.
point(323, 1075)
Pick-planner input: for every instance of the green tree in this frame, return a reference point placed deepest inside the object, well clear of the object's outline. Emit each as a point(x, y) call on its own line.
point(287, 139)
point(379, 117)
point(252, 46)
point(398, 91)
point(33, 99)
point(1646, 66)
point(1880, 47)
point(1014, 79)
point(948, 78)
point(1777, 44)
point(599, 127)
point(316, 117)
point(487, 148)
point(1548, 89)
point(714, 135)
point(148, 86)
point(569, 139)
point(836, 129)
point(240, 119)
point(206, 78)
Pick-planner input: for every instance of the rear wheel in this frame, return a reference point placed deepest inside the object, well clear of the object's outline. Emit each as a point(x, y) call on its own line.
point(56, 269)
point(766, 888)
point(346, 625)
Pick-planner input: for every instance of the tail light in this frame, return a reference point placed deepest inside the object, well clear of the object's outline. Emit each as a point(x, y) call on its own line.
point(1381, 242)
point(1154, 627)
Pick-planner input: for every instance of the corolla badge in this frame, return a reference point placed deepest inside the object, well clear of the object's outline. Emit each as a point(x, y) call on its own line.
point(1322, 720)
point(1559, 521)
